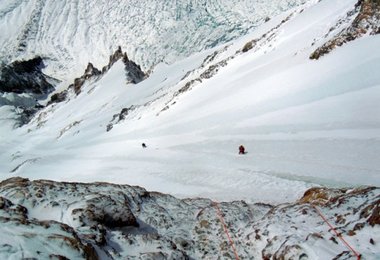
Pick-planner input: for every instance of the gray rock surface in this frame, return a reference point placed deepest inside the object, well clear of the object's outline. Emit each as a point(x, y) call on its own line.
point(108, 221)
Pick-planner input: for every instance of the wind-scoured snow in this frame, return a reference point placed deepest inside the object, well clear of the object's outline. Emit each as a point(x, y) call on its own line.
point(71, 33)
point(303, 122)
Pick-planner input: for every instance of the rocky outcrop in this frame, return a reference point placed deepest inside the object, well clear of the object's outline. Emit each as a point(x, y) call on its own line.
point(125, 222)
point(117, 118)
point(133, 71)
point(121, 221)
point(106, 211)
point(117, 55)
point(289, 231)
point(90, 73)
point(51, 239)
point(58, 97)
point(26, 113)
point(23, 84)
point(367, 21)
point(25, 77)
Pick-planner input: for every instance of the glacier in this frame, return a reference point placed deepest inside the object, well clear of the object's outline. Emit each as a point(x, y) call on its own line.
point(71, 33)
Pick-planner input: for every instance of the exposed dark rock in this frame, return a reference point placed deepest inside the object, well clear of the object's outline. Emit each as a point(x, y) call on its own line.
point(91, 70)
point(374, 218)
point(367, 21)
point(213, 69)
point(187, 86)
point(118, 54)
point(90, 73)
point(106, 211)
point(321, 196)
point(133, 71)
point(120, 117)
point(58, 97)
point(26, 114)
point(338, 204)
point(124, 112)
point(28, 66)
point(126, 222)
point(15, 182)
point(5, 204)
point(359, 226)
point(25, 77)
point(78, 83)
point(109, 127)
point(249, 45)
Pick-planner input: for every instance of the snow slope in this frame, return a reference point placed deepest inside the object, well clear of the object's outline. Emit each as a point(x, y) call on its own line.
point(303, 122)
point(71, 33)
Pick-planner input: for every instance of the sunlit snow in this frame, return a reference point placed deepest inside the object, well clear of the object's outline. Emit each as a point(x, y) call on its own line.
point(303, 122)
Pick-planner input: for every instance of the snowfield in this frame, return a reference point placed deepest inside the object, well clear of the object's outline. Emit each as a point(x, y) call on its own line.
point(300, 92)
point(303, 122)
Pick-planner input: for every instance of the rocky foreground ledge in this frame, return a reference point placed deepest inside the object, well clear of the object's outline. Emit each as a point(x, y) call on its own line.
point(59, 220)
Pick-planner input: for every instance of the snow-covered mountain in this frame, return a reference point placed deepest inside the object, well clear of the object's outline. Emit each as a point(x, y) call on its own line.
point(71, 33)
point(300, 92)
point(304, 122)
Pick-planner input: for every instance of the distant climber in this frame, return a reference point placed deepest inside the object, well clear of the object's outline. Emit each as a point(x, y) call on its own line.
point(143, 145)
point(241, 149)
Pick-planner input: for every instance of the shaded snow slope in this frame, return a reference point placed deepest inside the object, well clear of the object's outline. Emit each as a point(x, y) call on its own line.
point(304, 122)
point(71, 33)
point(45, 219)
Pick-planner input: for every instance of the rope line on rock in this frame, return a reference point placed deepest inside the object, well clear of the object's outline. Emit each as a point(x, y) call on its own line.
point(220, 216)
point(339, 235)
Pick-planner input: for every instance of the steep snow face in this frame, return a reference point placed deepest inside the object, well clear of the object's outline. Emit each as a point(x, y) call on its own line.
point(46, 219)
point(303, 122)
point(71, 33)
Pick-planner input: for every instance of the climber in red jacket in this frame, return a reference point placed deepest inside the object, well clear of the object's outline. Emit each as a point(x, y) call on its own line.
point(241, 149)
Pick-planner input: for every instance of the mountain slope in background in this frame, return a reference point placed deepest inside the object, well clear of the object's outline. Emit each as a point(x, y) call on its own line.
point(71, 33)
point(304, 122)
point(300, 92)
